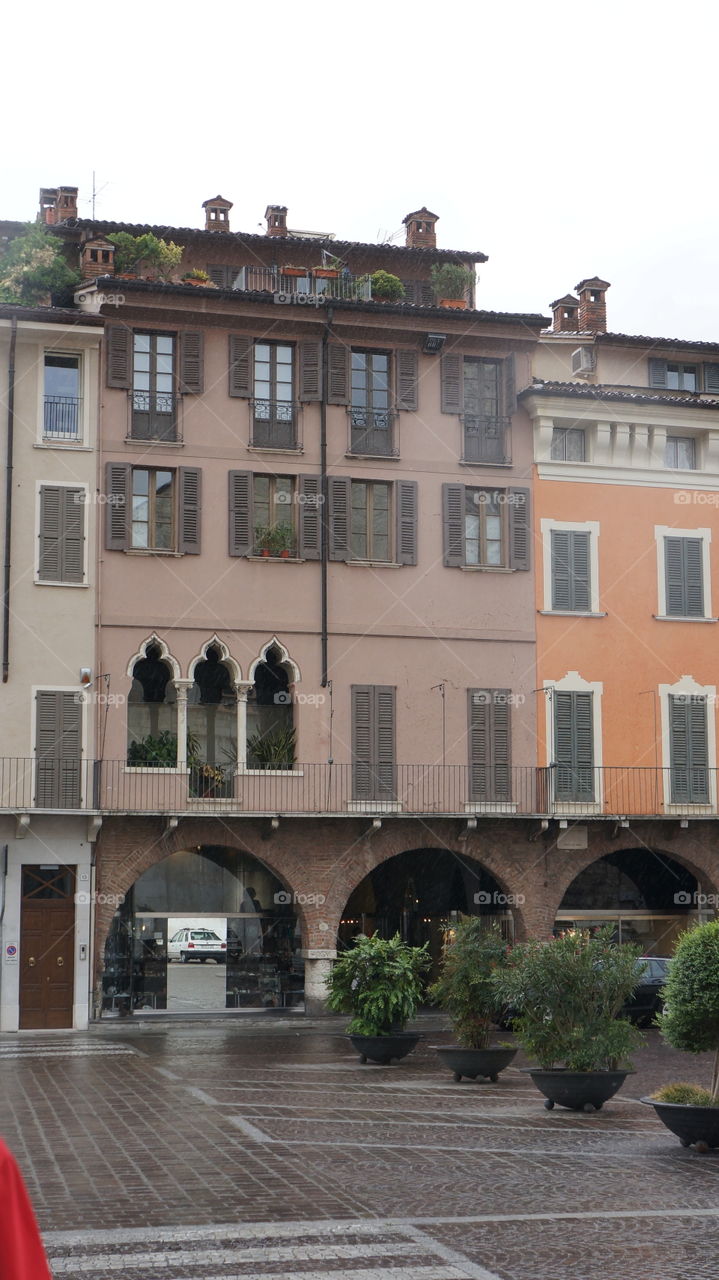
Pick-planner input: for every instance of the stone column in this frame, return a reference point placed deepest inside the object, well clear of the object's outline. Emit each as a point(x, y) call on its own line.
point(242, 688)
point(318, 966)
point(182, 688)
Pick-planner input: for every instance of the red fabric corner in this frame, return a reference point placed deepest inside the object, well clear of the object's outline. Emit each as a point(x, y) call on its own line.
point(22, 1256)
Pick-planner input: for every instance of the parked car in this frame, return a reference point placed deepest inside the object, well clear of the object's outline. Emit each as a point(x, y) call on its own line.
point(196, 944)
point(647, 1001)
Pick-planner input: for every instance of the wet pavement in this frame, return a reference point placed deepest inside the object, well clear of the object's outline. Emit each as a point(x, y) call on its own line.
point(263, 1148)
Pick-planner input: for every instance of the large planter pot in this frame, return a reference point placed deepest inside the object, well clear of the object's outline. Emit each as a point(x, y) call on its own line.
point(383, 1049)
point(475, 1062)
point(454, 304)
point(578, 1090)
point(694, 1126)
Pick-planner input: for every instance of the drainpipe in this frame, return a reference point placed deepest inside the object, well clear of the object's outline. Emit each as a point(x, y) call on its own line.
point(8, 503)
point(324, 489)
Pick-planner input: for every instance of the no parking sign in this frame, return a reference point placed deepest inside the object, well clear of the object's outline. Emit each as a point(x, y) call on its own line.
point(11, 953)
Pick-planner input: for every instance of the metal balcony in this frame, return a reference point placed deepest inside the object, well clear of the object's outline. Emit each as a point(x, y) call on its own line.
point(61, 418)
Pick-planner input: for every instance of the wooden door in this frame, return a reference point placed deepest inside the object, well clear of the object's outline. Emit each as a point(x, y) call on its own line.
point(47, 947)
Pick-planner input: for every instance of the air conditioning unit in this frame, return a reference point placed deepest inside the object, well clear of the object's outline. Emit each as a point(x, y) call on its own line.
point(582, 362)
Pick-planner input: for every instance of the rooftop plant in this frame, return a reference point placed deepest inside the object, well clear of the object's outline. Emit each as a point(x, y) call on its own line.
point(386, 287)
point(451, 280)
point(33, 267)
point(145, 255)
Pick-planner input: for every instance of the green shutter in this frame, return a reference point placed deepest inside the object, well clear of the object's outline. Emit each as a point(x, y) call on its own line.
point(684, 576)
point(571, 570)
point(573, 746)
point(373, 742)
point(689, 750)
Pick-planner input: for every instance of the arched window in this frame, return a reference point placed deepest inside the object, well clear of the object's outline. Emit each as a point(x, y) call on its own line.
point(152, 712)
point(212, 727)
point(270, 720)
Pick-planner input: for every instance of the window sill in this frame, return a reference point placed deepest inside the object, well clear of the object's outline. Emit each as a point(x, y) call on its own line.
point(75, 445)
point(484, 568)
point(502, 466)
point(167, 444)
point(375, 564)
point(678, 617)
point(272, 448)
point(148, 551)
point(570, 613)
point(375, 457)
point(40, 582)
point(276, 559)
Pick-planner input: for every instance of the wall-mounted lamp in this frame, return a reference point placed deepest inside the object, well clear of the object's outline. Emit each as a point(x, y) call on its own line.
point(85, 675)
point(433, 342)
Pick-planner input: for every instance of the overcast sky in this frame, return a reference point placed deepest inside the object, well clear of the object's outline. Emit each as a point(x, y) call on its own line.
point(564, 140)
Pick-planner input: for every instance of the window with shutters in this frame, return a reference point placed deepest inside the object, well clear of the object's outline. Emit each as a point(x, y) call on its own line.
point(573, 764)
point(153, 395)
point(490, 758)
point(680, 453)
point(273, 499)
point(373, 743)
point(62, 400)
point(371, 520)
point(58, 749)
point(371, 413)
point(485, 422)
point(684, 577)
point(273, 405)
point(61, 535)
point(571, 570)
point(153, 509)
point(485, 527)
point(569, 444)
point(673, 376)
point(689, 749)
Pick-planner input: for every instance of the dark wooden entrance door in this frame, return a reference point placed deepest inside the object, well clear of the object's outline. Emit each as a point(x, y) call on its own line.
point(47, 947)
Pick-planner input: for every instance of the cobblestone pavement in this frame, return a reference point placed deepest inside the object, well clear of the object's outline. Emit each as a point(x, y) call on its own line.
point(218, 1151)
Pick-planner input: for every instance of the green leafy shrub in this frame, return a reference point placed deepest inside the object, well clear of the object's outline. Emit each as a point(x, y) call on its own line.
point(197, 274)
point(33, 267)
point(690, 1020)
point(465, 988)
point(451, 280)
point(145, 255)
point(567, 993)
point(386, 287)
point(688, 1095)
point(158, 752)
point(272, 750)
point(379, 981)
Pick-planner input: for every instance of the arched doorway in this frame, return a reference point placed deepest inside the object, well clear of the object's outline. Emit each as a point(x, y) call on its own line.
point(204, 930)
point(647, 896)
point(418, 893)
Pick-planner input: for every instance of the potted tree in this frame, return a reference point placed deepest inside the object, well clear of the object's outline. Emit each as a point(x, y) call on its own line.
point(264, 537)
point(452, 282)
point(465, 990)
point(386, 287)
point(145, 255)
point(153, 752)
point(690, 1021)
point(567, 994)
point(272, 750)
point(379, 981)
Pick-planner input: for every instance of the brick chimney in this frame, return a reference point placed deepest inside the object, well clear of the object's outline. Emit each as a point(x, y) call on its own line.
point(276, 215)
point(97, 258)
point(57, 204)
point(566, 314)
point(592, 305)
point(421, 229)
point(217, 213)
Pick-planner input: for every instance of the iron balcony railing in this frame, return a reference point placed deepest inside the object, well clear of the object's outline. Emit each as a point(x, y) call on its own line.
point(111, 786)
point(486, 440)
point(153, 416)
point(61, 417)
point(373, 433)
point(274, 424)
point(291, 284)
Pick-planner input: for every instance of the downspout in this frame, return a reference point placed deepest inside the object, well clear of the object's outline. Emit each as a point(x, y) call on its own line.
point(324, 489)
point(8, 503)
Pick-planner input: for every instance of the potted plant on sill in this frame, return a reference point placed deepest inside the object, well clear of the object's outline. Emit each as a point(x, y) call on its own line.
point(157, 751)
point(293, 271)
point(690, 1021)
point(452, 283)
point(386, 287)
point(283, 541)
point(197, 277)
point(264, 539)
point(272, 750)
point(465, 990)
point(380, 982)
point(567, 993)
point(329, 270)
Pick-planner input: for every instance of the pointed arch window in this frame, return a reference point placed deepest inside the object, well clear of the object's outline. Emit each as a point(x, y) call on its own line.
point(212, 727)
point(270, 713)
point(152, 713)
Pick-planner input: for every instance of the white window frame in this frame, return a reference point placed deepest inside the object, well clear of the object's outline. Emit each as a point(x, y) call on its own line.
point(591, 527)
point(688, 686)
point(572, 682)
point(662, 531)
point(82, 418)
point(62, 484)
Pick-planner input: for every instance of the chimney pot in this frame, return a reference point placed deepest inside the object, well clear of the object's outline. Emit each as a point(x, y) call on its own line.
point(276, 216)
point(217, 213)
point(566, 314)
point(593, 305)
point(421, 229)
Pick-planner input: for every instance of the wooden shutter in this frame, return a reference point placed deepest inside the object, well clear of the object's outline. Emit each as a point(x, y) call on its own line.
point(242, 531)
point(453, 524)
point(427, 295)
point(520, 530)
point(192, 379)
point(373, 742)
point(573, 746)
point(406, 376)
point(452, 375)
point(190, 508)
point(240, 366)
point(406, 516)
point(684, 574)
point(411, 291)
point(222, 276)
point(118, 477)
point(58, 749)
point(50, 550)
point(657, 373)
point(509, 386)
point(489, 744)
point(310, 521)
point(571, 590)
point(310, 371)
point(338, 374)
point(119, 356)
point(72, 568)
point(689, 749)
point(711, 379)
point(339, 518)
